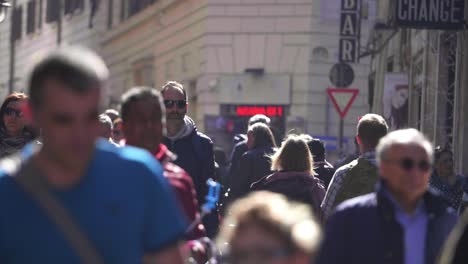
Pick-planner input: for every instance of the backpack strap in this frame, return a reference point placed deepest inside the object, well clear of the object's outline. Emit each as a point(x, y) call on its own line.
point(30, 179)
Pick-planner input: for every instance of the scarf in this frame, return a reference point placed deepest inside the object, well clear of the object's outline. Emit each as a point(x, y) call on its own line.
point(11, 144)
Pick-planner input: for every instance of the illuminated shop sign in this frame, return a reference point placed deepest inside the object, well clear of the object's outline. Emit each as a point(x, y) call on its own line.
point(430, 14)
point(249, 110)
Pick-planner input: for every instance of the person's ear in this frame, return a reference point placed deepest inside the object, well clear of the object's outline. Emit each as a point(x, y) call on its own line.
point(358, 139)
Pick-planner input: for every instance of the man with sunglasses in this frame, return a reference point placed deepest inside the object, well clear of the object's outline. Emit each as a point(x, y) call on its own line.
point(402, 222)
point(194, 149)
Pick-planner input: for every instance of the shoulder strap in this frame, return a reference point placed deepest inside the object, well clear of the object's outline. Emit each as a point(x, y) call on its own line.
point(29, 178)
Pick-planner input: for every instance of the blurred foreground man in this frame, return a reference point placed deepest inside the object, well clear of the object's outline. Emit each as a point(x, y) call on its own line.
point(77, 199)
point(402, 222)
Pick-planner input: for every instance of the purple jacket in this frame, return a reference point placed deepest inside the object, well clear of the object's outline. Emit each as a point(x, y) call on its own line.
point(297, 186)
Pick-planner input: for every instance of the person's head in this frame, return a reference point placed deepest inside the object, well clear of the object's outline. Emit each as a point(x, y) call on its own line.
point(112, 113)
point(117, 130)
point(65, 99)
point(175, 101)
point(404, 158)
point(443, 162)
point(12, 121)
point(143, 117)
point(259, 118)
point(293, 155)
point(316, 147)
point(266, 228)
point(260, 135)
point(370, 129)
point(105, 129)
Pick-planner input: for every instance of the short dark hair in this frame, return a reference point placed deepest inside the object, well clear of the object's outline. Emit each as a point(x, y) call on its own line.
point(174, 85)
point(137, 94)
point(371, 128)
point(78, 68)
point(439, 150)
point(317, 149)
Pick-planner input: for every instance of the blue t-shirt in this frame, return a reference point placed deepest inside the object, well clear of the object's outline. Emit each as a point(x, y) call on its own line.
point(123, 204)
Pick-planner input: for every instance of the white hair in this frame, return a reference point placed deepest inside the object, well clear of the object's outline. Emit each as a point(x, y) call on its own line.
point(408, 136)
point(106, 120)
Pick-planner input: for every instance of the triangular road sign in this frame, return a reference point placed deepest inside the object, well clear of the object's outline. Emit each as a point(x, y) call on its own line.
point(342, 99)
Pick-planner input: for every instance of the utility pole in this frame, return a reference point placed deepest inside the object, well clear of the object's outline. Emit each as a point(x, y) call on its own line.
point(12, 50)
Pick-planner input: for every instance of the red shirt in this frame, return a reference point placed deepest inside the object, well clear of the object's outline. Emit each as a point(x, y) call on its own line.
point(183, 186)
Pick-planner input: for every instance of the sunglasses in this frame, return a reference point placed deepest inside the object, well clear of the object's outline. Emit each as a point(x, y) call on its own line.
point(408, 164)
point(179, 103)
point(13, 112)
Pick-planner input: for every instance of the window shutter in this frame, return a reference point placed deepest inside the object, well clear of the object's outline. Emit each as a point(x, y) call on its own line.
point(68, 6)
point(53, 11)
point(31, 18)
point(17, 23)
point(40, 8)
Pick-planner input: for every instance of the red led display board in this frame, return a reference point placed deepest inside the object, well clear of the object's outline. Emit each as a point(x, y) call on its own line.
point(249, 110)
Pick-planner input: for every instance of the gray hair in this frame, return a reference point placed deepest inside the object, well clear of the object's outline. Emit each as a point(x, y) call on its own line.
point(79, 69)
point(408, 136)
point(106, 120)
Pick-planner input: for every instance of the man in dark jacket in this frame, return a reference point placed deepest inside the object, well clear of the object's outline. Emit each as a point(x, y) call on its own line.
point(322, 168)
point(144, 126)
point(402, 222)
point(194, 149)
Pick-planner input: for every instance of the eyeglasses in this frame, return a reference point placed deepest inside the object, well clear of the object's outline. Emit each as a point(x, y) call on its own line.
point(179, 103)
point(13, 112)
point(408, 164)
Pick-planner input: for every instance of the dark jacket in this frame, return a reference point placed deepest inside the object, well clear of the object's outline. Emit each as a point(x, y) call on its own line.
point(297, 186)
point(254, 165)
point(183, 187)
point(364, 230)
point(199, 164)
point(324, 171)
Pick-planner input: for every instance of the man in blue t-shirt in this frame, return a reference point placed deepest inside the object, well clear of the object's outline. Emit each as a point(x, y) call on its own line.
point(116, 196)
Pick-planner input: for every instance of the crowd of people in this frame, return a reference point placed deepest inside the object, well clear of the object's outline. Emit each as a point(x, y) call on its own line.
point(82, 185)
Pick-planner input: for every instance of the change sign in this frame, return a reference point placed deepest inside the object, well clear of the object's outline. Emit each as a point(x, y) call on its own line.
point(430, 14)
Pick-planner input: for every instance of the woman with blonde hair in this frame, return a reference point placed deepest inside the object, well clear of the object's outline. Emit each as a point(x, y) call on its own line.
point(266, 228)
point(294, 174)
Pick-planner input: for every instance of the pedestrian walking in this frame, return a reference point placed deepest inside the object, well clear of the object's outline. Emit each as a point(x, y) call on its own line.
point(403, 221)
point(77, 199)
point(294, 175)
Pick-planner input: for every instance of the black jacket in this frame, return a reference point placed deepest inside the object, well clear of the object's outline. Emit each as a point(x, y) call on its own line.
point(253, 166)
point(297, 186)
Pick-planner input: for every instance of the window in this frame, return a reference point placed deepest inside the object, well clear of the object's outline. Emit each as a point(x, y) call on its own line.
point(31, 17)
point(135, 6)
point(39, 14)
point(53, 11)
point(70, 6)
point(110, 14)
point(16, 26)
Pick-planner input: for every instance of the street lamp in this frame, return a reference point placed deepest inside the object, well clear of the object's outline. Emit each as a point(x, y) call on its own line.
point(3, 8)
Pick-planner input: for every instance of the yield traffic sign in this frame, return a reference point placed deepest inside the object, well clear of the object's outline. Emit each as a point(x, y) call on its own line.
point(342, 99)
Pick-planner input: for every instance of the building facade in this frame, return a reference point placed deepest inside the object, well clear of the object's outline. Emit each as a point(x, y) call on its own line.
point(237, 58)
point(418, 80)
point(35, 27)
